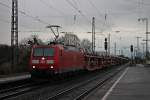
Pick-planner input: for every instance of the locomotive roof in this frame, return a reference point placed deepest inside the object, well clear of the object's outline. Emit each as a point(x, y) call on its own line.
point(70, 48)
point(56, 45)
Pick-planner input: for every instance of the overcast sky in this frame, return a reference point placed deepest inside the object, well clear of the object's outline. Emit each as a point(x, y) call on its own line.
point(76, 16)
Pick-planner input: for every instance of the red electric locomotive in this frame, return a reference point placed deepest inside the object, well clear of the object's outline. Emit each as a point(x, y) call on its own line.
point(55, 59)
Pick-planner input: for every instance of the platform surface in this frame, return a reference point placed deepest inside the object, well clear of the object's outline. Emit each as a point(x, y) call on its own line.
point(13, 78)
point(133, 84)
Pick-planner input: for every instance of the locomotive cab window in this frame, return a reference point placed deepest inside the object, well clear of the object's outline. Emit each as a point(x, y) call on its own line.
point(38, 52)
point(48, 51)
point(43, 52)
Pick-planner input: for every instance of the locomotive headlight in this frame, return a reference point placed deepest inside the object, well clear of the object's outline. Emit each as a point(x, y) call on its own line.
point(51, 67)
point(50, 61)
point(35, 61)
point(33, 67)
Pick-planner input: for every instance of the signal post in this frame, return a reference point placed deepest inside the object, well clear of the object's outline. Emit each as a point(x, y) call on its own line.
point(131, 49)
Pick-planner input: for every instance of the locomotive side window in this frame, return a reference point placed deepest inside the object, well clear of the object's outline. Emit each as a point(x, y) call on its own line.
point(48, 52)
point(38, 52)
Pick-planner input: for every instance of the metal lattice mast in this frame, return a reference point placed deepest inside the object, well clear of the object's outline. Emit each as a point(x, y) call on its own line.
point(109, 44)
point(146, 20)
point(138, 49)
point(147, 51)
point(93, 34)
point(14, 31)
point(115, 48)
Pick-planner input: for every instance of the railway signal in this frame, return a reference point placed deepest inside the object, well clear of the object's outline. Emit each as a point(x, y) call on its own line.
point(105, 44)
point(131, 48)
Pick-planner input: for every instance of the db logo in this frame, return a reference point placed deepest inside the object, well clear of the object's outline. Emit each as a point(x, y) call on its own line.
point(42, 61)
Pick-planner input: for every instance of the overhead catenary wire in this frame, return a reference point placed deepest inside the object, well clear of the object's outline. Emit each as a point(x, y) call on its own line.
point(93, 5)
point(78, 10)
point(99, 13)
point(48, 4)
point(24, 13)
point(5, 5)
point(51, 7)
point(8, 22)
point(75, 2)
point(27, 15)
point(23, 26)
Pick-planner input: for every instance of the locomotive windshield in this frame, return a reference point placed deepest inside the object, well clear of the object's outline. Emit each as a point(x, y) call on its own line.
point(48, 52)
point(43, 52)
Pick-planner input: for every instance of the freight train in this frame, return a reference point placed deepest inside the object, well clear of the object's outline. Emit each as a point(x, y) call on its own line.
point(57, 59)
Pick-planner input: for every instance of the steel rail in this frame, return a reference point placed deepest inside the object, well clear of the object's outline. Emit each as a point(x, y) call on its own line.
point(16, 87)
point(98, 85)
point(68, 90)
point(12, 92)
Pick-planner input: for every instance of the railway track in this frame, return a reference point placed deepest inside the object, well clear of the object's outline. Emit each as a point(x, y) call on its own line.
point(81, 90)
point(99, 84)
point(18, 90)
point(57, 91)
point(15, 91)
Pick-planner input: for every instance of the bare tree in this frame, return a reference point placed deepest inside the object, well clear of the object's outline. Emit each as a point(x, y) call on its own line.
point(25, 47)
point(70, 39)
point(33, 39)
